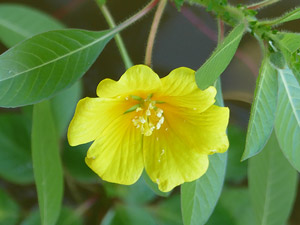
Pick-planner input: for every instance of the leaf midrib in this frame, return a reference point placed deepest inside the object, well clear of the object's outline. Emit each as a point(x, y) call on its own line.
point(251, 125)
point(285, 84)
point(224, 48)
point(267, 196)
point(61, 57)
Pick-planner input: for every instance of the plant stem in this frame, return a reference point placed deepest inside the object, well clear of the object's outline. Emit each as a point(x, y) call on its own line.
point(220, 30)
point(121, 46)
point(135, 17)
point(153, 31)
point(262, 4)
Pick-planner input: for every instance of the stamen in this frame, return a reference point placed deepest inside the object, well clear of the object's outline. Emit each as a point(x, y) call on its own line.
point(148, 113)
point(148, 117)
point(158, 126)
point(142, 120)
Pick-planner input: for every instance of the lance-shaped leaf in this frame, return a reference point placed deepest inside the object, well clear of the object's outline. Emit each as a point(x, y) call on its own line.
point(15, 154)
point(47, 63)
point(46, 163)
point(289, 44)
point(293, 15)
point(208, 73)
point(263, 110)
point(199, 198)
point(287, 124)
point(9, 210)
point(18, 22)
point(272, 184)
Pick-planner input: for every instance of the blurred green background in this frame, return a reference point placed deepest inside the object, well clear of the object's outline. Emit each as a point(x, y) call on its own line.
point(185, 38)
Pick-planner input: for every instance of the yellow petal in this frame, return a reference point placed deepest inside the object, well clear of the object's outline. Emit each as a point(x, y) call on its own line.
point(180, 89)
point(139, 79)
point(169, 161)
point(92, 115)
point(116, 156)
point(204, 131)
point(212, 131)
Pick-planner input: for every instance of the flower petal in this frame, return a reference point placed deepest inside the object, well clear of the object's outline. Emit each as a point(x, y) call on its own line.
point(139, 78)
point(92, 115)
point(169, 161)
point(212, 130)
point(180, 89)
point(204, 131)
point(116, 156)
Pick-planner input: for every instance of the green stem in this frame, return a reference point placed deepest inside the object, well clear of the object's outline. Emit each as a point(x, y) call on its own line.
point(262, 4)
point(121, 46)
point(280, 20)
point(153, 31)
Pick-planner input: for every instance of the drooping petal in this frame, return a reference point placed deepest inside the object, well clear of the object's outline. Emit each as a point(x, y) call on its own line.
point(180, 89)
point(92, 116)
point(169, 161)
point(205, 132)
point(116, 156)
point(138, 79)
point(212, 131)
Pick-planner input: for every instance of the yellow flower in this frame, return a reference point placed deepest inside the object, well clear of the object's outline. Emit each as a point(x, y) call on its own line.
point(167, 126)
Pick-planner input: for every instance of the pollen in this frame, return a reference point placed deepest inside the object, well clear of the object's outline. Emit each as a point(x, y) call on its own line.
point(147, 117)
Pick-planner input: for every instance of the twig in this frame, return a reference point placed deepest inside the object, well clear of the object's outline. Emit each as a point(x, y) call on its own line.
point(153, 31)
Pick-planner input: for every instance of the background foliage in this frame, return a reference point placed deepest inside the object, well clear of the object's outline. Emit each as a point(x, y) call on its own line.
point(45, 181)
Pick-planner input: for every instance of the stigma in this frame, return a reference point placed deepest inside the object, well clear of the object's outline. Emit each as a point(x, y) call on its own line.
point(147, 116)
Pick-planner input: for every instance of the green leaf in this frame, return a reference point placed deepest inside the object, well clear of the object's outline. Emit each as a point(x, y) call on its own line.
point(288, 41)
point(64, 105)
point(289, 44)
point(15, 154)
point(290, 16)
point(236, 170)
point(199, 198)
point(47, 63)
point(234, 208)
point(128, 215)
point(136, 194)
point(219, 96)
point(18, 22)
point(287, 123)
point(167, 212)
point(277, 60)
point(9, 210)
point(74, 161)
point(101, 2)
point(153, 186)
point(207, 74)
point(67, 217)
point(46, 163)
point(272, 184)
point(263, 109)
point(178, 3)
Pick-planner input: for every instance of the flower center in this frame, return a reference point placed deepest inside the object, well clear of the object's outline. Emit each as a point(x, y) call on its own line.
point(148, 117)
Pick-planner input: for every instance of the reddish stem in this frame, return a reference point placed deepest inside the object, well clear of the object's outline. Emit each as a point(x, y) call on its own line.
point(61, 12)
